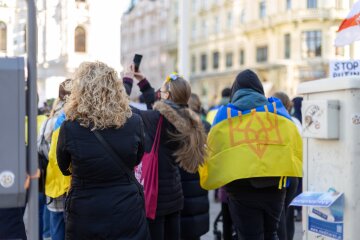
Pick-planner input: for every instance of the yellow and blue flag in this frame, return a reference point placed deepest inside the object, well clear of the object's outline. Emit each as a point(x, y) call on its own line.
point(261, 142)
point(56, 184)
point(210, 116)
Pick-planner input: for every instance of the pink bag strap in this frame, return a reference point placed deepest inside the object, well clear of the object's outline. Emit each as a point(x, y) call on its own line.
point(155, 146)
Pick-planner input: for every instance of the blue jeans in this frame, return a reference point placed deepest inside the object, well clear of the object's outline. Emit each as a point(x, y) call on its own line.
point(44, 218)
point(46, 223)
point(57, 225)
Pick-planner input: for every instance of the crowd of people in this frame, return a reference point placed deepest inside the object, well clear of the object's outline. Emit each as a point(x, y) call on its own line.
point(248, 147)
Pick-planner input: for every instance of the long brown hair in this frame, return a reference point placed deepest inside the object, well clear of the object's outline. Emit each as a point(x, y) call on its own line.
point(190, 132)
point(195, 103)
point(179, 90)
point(284, 98)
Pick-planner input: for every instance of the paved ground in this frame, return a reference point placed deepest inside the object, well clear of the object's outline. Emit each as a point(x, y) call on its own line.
point(214, 211)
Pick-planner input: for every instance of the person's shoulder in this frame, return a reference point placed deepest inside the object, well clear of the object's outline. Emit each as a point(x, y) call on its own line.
point(206, 125)
point(70, 125)
point(150, 114)
point(135, 118)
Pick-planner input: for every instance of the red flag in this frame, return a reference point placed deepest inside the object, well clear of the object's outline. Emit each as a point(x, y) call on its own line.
point(349, 30)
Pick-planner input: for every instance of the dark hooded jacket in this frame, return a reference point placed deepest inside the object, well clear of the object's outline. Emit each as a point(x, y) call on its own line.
point(297, 108)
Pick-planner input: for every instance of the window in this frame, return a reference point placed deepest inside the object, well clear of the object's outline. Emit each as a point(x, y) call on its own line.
point(194, 5)
point(261, 54)
point(215, 60)
point(242, 57)
point(242, 16)
point(288, 4)
point(311, 3)
point(193, 30)
point(163, 34)
point(3, 37)
point(287, 46)
point(203, 62)
point(311, 44)
point(229, 20)
point(203, 27)
point(262, 9)
point(80, 39)
point(193, 63)
point(229, 60)
point(216, 25)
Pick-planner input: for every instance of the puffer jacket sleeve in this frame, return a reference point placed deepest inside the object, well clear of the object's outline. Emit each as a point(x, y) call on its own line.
point(141, 147)
point(63, 156)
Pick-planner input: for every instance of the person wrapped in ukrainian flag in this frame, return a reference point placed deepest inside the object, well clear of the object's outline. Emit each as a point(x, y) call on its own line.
point(253, 146)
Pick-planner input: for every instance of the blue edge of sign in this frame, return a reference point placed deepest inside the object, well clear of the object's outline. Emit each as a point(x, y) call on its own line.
point(329, 229)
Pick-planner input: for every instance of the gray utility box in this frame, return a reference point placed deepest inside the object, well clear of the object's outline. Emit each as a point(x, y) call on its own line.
point(331, 143)
point(12, 132)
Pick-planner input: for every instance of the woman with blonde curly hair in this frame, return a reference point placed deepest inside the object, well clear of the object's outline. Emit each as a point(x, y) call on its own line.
point(103, 203)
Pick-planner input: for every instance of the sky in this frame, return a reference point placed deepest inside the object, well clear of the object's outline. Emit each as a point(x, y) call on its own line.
point(124, 5)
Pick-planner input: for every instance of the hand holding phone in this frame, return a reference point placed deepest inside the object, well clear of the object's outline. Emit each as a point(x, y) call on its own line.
point(137, 61)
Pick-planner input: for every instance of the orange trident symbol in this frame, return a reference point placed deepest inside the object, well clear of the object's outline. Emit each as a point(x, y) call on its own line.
point(258, 132)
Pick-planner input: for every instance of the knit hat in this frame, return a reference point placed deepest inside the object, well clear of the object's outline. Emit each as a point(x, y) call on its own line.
point(247, 79)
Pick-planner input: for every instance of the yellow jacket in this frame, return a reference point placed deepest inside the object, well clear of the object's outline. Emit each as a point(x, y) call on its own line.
point(56, 184)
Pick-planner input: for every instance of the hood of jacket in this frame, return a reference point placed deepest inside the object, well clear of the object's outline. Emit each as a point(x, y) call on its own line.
point(247, 98)
point(191, 134)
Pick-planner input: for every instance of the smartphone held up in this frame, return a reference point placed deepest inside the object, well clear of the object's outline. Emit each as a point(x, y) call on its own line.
point(137, 61)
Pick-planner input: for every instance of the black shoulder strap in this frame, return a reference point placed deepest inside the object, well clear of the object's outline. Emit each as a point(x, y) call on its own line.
point(121, 165)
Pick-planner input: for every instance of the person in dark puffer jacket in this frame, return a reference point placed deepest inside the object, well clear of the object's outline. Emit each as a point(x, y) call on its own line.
point(195, 214)
point(103, 202)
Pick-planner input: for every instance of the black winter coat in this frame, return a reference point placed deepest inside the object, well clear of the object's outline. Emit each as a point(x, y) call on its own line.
point(195, 214)
point(102, 203)
point(170, 195)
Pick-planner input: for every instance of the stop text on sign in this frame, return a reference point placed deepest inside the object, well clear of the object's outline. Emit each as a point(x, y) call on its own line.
point(346, 68)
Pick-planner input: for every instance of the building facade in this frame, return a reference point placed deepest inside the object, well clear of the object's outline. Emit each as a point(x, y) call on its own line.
point(69, 32)
point(144, 31)
point(286, 42)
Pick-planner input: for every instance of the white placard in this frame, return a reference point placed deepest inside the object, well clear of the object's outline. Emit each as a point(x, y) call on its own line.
point(345, 68)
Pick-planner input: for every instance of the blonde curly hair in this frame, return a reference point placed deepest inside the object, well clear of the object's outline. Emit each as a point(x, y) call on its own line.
point(98, 98)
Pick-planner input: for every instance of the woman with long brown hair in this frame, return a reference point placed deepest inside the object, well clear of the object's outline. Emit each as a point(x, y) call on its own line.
point(104, 202)
point(182, 142)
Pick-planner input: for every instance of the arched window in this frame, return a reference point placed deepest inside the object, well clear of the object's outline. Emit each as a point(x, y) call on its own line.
point(3, 37)
point(80, 39)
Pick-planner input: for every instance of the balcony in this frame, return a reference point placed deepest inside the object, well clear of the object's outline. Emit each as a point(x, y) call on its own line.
point(301, 15)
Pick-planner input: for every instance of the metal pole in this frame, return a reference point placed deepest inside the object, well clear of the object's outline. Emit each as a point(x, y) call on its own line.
point(183, 44)
point(33, 203)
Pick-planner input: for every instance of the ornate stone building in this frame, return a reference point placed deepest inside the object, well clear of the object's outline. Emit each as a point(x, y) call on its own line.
point(144, 31)
point(284, 41)
point(69, 32)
